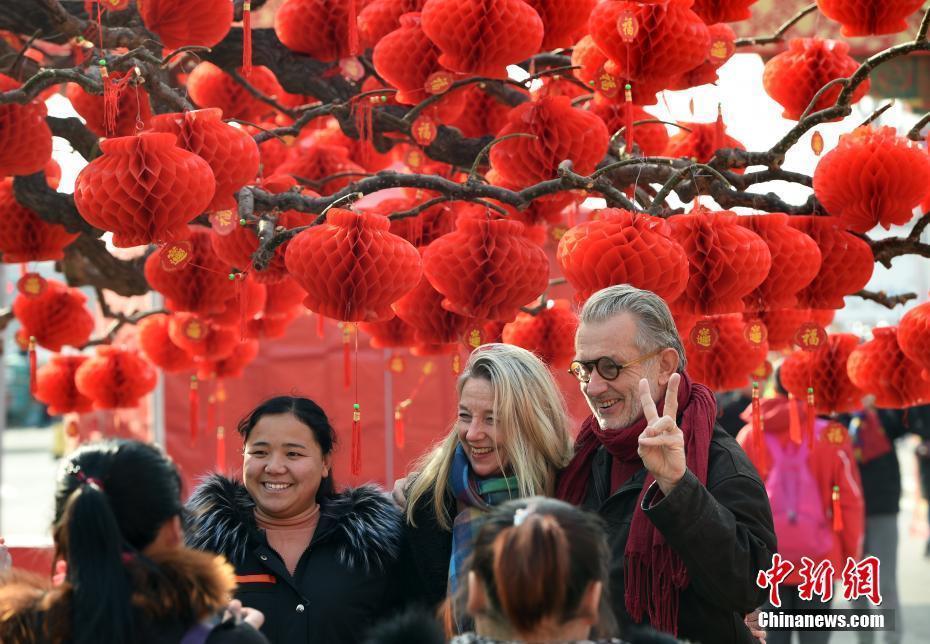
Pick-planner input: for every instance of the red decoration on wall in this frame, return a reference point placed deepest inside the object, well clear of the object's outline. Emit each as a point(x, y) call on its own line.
point(156, 345)
point(55, 386)
point(144, 189)
point(825, 371)
point(210, 86)
point(510, 31)
point(879, 367)
point(115, 378)
point(728, 363)
point(24, 236)
point(726, 262)
point(914, 336)
point(324, 29)
point(846, 266)
point(550, 334)
point(562, 19)
point(181, 22)
point(870, 17)
point(56, 317)
point(795, 262)
point(621, 247)
point(231, 152)
point(486, 269)
point(861, 182)
point(351, 267)
point(793, 77)
point(25, 138)
point(132, 110)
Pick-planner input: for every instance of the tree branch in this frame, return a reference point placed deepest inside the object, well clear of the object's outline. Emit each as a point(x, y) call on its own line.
point(888, 301)
point(778, 36)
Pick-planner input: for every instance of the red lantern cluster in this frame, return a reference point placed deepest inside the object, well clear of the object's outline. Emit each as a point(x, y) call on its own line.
point(621, 247)
point(782, 324)
point(210, 86)
point(157, 346)
point(144, 189)
point(406, 59)
point(699, 141)
point(914, 336)
point(652, 138)
point(26, 237)
point(713, 11)
point(381, 17)
point(115, 378)
point(562, 20)
point(233, 365)
point(550, 334)
point(592, 62)
point(201, 339)
point(433, 325)
point(179, 23)
point(246, 304)
point(484, 114)
point(132, 109)
point(879, 367)
point(25, 138)
point(57, 316)
point(324, 29)
point(861, 182)
point(870, 17)
point(825, 371)
point(722, 48)
point(55, 385)
point(351, 267)
point(730, 359)
point(390, 334)
point(313, 160)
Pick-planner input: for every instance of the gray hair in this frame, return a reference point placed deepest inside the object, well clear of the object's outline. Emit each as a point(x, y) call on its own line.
point(654, 322)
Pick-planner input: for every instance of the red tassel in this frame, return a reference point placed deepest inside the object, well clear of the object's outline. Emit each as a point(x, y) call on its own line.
point(356, 439)
point(211, 410)
point(247, 39)
point(837, 510)
point(220, 449)
point(399, 428)
point(718, 129)
point(628, 126)
point(794, 420)
point(353, 28)
point(811, 414)
point(33, 365)
point(758, 430)
point(346, 356)
point(193, 399)
point(110, 99)
point(364, 125)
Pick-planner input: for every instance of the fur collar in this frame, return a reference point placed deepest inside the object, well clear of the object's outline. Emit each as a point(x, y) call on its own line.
point(362, 522)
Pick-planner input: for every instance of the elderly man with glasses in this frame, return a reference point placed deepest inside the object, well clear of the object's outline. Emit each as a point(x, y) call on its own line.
point(689, 521)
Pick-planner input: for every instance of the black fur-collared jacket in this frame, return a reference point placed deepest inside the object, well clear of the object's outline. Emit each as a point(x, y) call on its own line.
point(344, 581)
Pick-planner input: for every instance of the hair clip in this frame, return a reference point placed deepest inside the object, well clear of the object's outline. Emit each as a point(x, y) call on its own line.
point(520, 516)
point(75, 470)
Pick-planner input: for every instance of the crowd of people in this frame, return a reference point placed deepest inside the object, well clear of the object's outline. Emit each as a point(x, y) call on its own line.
point(651, 525)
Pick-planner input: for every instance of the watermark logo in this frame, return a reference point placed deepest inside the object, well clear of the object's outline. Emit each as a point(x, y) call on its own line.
point(859, 578)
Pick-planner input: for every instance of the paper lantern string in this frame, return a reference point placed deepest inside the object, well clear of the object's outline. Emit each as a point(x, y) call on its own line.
point(193, 400)
point(33, 366)
point(758, 430)
point(837, 510)
point(247, 39)
point(628, 125)
point(346, 356)
point(356, 463)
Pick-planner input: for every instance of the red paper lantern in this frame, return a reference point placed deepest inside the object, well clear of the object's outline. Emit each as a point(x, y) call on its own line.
point(201, 285)
point(390, 334)
point(115, 378)
point(783, 324)
point(25, 138)
point(55, 317)
point(561, 19)
point(422, 309)
point(880, 368)
point(550, 334)
point(210, 86)
point(591, 61)
point(312, 160)
point(729, 361)
point(861, 182)
point(914, 336)
point(652, 138)
point(56, 388)
point(726, 261)
point(271, 327)
point(274, 151)
point(700, 142)
point(722, 48)
point(26, 237)
point(482, 37)
point(202, 339)
point(351, 267)
point(870, 17)
point(793, 77)
point(621, 247)
point(562, 133)
point(381, 17)
point(846, 267)
point(144, 189)
point(179, 22)
point(406, 59)
point(283, 297)
point(231, 152)
point(233, 365)
point(156, 345)
point(324, 29)
point(132, 110)
point(657, 42)
point(713, 11)
point(247, 303)
point(825, 371)
point(795, 262)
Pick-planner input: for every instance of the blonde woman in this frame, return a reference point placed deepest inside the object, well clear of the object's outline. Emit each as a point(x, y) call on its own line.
point(509, 441)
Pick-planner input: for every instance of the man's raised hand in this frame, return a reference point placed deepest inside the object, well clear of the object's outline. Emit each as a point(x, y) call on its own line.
point(662, 445)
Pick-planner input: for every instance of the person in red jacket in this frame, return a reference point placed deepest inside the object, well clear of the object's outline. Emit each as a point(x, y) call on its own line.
point(826, 526)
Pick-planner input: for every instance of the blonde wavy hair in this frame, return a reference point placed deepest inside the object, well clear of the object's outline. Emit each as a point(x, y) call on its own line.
point(530, 415)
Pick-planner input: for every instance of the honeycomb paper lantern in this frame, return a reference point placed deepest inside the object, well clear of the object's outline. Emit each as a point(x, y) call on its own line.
point(202, 285)
point(483, 115)
point(591, 61)
point(381, 17)
point(272, 152)
point(621, 247)
point(233, 365)
point(728, 363)
point(670, 38)
point(323, 29)
point(406, 58)
point(157, 347)
point(271, 327)
point(846, 262)
point(422, 309)
point(351, 267)
point(870, 17)
point(825, 371)
point(701, 142)
point(726, 262)
point(314, 161)
point(55, 386)
point(550, 334)
point(486, 269)
point(561, 19)
point(390, 334)
point(793, 77)
point(115, 378)
point(713, 11)
point(58, 316)
point(144, 189)
point(880, 368)
point(861, 182)
point(247, 303)
point(722, 48)
point(783, 324)
point(562, 132)
point(25, 138)
point(283, 297)
point(132, 109)
point(210, 86)
point(179, 22)
point(652, 138)
point(24, 236)
point(914, 336)
point(201, 339)
point(231, 153)
point(482, 37)
point(795, 262)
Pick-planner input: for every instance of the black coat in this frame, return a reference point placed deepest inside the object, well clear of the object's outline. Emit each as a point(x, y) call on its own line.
point(427, 552)
point(343, 583)
point(722, 531)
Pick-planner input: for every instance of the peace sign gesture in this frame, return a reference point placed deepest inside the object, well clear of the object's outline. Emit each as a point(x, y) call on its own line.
point(662, 445)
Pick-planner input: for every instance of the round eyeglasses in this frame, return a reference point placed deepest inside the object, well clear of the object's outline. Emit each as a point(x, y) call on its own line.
point(605, 366)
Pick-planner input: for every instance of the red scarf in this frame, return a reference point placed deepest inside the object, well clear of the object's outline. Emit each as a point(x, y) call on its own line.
point(654, 574)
